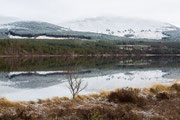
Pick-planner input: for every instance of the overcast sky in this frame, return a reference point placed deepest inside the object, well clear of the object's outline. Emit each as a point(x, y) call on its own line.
point(56, 11)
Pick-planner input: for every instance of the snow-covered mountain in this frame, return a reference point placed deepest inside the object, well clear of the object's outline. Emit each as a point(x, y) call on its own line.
point(100, 28)
point(44, 30)
point(121, 26)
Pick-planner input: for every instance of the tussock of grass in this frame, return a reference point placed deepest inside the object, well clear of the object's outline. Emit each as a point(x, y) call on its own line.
point(6, 103)
point(175, 87)
point(160, 88)
point(95, 96)
point(60, 100)
point(156, 103)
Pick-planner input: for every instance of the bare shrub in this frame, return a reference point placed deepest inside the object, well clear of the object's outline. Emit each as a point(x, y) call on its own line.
point(75, 85)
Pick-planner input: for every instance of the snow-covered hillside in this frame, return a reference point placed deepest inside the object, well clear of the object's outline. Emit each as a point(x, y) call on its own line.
point(121, 26)
point(44, 30)
point(100, 28)
point(31, 29)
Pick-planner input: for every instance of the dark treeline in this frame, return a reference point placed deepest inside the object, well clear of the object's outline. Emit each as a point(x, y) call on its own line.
point(71, 47)
point(54, 47)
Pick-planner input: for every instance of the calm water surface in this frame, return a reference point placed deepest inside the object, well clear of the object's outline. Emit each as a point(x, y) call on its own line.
point(40, 78)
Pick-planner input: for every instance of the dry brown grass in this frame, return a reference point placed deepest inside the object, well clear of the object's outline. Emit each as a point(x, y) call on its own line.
point(159, 102)
point(163, 88)
point(95, 96)
point(6, 103)
point(176, 87)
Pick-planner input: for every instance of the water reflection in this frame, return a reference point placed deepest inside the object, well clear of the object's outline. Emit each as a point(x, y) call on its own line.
point(104, 74)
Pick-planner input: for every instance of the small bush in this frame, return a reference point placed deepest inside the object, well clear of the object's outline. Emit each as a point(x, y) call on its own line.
point(125, 96)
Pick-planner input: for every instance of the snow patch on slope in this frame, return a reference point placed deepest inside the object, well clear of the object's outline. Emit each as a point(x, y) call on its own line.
point(120, 26)
point(39, 37)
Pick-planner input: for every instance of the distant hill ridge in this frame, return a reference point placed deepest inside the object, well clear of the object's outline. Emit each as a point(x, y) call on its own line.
point(100, 28)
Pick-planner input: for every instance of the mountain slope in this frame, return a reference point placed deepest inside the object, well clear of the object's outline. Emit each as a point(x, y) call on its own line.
point(44, 30)
point(172, 35)
point(124, 27)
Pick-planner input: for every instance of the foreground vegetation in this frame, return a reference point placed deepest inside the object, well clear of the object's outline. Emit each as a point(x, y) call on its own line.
point(160, 102)
point(72, 47)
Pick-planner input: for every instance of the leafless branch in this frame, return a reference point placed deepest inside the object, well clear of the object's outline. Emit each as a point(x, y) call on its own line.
point(75, 85)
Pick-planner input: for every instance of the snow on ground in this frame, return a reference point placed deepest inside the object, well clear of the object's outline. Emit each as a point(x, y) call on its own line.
point(121, 26)
point(39, 37)
point(46, 37)
point(136, 79)
point(16, 37)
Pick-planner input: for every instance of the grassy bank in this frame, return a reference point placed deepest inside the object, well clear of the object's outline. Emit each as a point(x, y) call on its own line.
point(160, 102)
